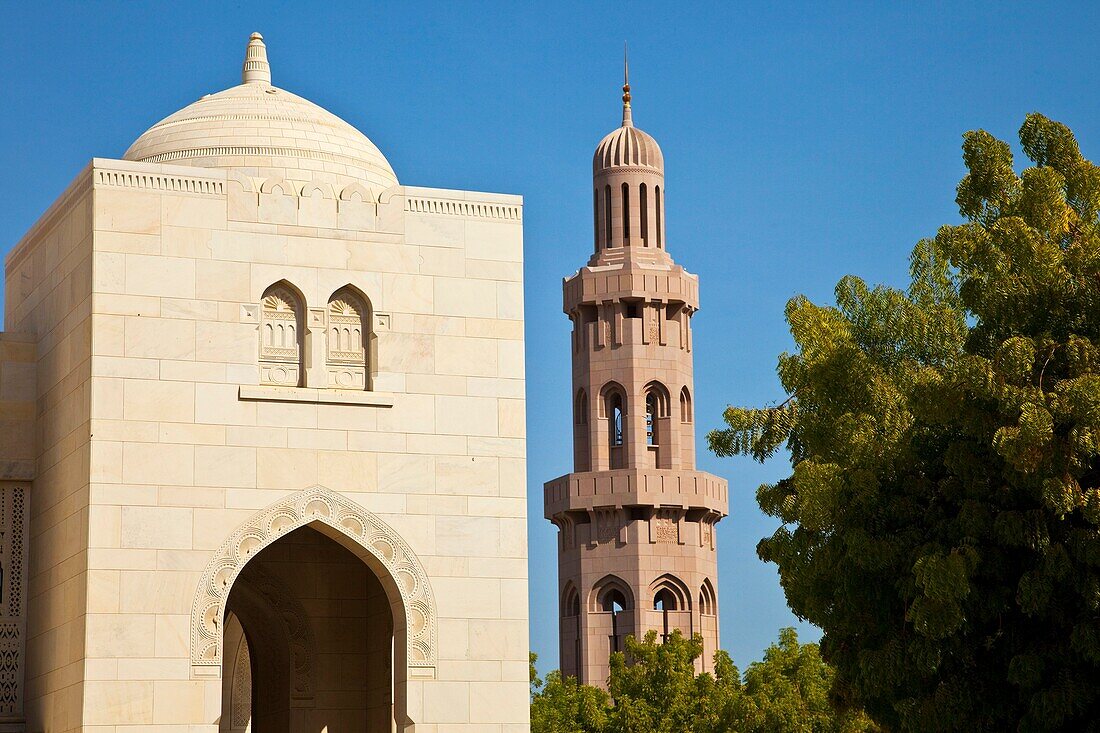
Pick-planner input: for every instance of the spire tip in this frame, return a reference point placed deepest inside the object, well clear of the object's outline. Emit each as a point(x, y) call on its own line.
point(256, 70)
point(628, 120)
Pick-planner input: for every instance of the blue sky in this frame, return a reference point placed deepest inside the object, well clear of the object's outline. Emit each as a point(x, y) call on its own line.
point(802, 142)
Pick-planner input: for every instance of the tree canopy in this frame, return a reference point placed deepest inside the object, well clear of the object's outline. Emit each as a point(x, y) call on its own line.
point(941, 523)
point(654, 689)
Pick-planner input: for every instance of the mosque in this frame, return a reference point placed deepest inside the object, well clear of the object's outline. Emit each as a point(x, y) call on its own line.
point(262, 437)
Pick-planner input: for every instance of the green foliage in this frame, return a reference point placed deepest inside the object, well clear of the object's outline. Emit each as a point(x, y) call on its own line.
point(788, 692)
point(561, 705)
point(658, 690)
point(655, 690)
point(941, 523)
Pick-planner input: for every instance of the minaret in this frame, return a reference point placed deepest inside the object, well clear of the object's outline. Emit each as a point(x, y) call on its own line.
point(636, 521)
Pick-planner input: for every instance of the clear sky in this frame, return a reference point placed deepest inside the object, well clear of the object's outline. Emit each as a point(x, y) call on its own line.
point(802, 142)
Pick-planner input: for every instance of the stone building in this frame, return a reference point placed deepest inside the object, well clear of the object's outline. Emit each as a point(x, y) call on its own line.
point(262, 439)
point(636, 540)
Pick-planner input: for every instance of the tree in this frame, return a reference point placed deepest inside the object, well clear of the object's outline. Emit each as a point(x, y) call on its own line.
point(658, 691)
point(562, 705)
point(941, 523)
point(654, 689)
point(788, 692)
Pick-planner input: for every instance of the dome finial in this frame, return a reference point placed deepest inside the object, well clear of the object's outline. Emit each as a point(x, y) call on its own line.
point(628, 120)
point(256, 69)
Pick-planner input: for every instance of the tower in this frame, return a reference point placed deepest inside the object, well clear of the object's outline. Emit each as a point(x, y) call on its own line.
point(636, 520)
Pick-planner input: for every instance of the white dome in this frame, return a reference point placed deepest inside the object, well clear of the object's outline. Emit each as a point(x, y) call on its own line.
point(258, 128)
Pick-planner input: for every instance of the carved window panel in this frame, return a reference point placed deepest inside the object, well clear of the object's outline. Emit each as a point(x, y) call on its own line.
point(14, 527)
point(666, 531)
point(347, 338)
point(241, 717)
point(281, 336)
point(665, 527)
point(706, 534)
point(608, 524)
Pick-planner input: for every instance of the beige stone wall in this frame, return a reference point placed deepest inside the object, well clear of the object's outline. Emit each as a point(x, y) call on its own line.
point(48, 300)
point(18, 379)
point(186, 445)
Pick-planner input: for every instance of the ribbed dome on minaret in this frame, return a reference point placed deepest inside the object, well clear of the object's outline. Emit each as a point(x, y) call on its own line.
point(261, 130)
point(628, 178)
point(627, 146)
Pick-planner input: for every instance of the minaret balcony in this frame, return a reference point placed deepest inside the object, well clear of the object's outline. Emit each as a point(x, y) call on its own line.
point(630, 487)
point(633, 281)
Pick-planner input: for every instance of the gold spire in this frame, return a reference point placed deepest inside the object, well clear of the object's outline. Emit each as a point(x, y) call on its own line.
point(628, 120)
point(256, 69)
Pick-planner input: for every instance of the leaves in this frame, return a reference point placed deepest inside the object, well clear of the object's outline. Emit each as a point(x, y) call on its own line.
point(656, 690)
point(561, 705)
point(756, 432)
point(941, 522)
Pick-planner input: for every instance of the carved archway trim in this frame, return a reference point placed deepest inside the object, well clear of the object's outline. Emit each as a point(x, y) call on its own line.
point(316, 505)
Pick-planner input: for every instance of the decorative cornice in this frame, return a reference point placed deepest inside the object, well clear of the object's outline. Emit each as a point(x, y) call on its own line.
point(160, 182)
point(472, 209)
point(624, 169)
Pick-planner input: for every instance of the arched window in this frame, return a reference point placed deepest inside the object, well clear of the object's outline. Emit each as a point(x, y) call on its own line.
point(613, 601)
point(708, 600)
point(643, 212)
point(607, 215)
point(613, 409)
point(665, 600)
point(596, 215)
point(346, 340)
point(581, 447)
point(626, 214)
point(613, 596)
point(656, 419)
point(669, 596)
point(615, 420)
point(281, 336)
point(657, 205)
point(685, 405)
point(570, 601)
point(651, 419)
point(570, 631)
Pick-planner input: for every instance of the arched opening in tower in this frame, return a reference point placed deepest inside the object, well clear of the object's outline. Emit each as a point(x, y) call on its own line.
point(615, 429)
point(665, 602)
point(614, 602)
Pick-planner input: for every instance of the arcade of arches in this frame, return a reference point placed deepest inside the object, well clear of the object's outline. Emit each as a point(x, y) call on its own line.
point(308, 642)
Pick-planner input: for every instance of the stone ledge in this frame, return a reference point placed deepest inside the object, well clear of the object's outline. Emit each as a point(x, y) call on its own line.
point(265, 393)
point(631, 487)
point(17, 469)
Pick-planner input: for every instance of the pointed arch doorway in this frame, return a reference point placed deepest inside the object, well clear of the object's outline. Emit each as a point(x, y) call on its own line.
point(318, 617)
point(309, 642)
